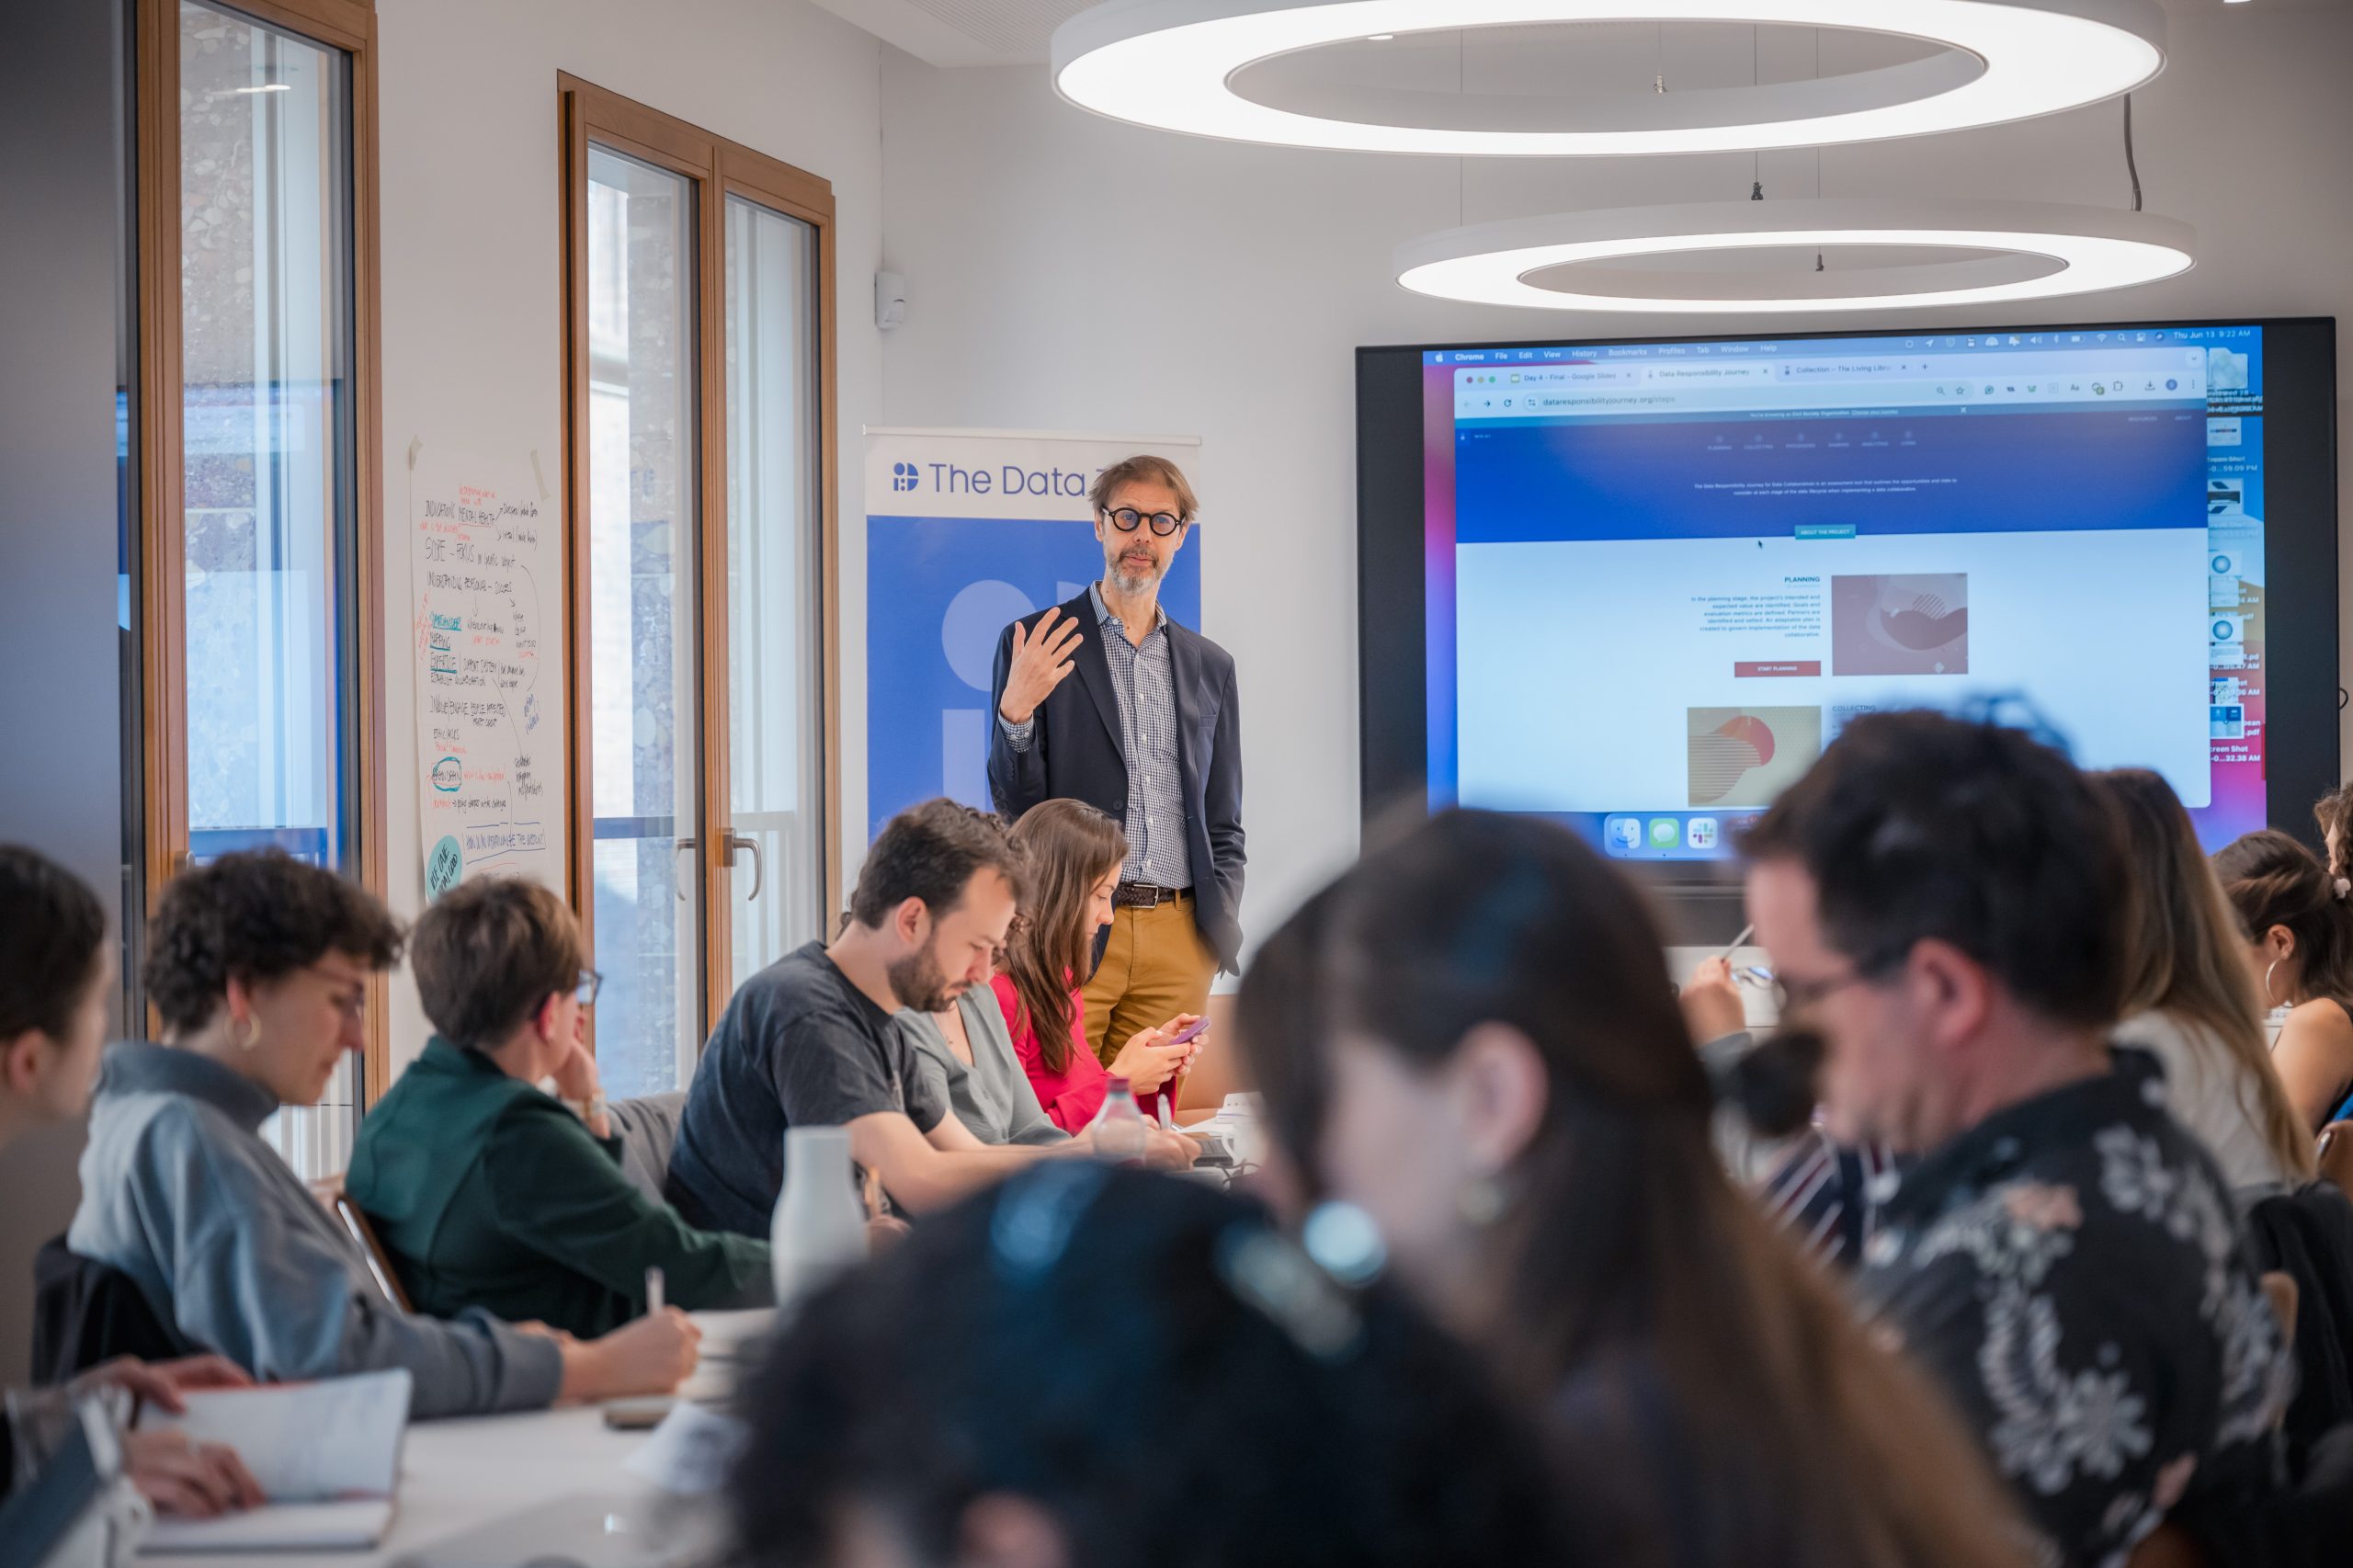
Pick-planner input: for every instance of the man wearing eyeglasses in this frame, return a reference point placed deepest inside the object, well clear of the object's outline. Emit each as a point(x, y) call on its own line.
point(1150, 733)
point(486, 1193)
point(1941, 900)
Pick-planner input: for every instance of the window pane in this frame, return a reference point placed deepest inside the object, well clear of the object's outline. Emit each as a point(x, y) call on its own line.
point(775, 787)
point(642, 458)
point(266, 332)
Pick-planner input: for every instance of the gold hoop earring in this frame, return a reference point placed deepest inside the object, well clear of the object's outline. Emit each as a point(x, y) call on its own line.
point(250, 1035)
point(2267, 1003)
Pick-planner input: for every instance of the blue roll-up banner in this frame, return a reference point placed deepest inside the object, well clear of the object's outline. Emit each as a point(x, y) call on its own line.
point(966, 531)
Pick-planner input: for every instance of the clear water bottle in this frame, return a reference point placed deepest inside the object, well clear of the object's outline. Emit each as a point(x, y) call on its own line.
point(1119, 1128)
point(819, 1226)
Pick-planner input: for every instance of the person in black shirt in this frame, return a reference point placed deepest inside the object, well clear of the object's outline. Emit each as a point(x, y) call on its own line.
point(811, 1040)
point(1940, 899)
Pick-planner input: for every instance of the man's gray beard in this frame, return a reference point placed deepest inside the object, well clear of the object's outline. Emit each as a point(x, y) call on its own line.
point(919, 984)
point(1127, 584)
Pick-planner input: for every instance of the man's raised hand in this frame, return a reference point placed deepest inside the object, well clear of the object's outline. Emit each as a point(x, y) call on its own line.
point(1040, 661)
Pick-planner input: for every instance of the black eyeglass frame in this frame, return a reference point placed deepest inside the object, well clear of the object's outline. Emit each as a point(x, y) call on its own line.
point(1135, 519)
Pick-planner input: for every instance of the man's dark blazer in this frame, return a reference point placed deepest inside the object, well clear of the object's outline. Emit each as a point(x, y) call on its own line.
point(1076, 751)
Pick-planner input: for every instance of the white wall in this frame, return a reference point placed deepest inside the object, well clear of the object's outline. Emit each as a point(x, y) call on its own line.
point(1070, 272)
point(472, 264)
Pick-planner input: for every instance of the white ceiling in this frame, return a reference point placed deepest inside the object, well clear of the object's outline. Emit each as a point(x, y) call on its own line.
point(1014, 32)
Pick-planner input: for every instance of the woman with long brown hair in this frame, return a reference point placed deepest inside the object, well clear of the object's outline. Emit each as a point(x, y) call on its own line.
point(1075, 853)
point(2188, 998)
point(1496, 1071)
point(2299, 926)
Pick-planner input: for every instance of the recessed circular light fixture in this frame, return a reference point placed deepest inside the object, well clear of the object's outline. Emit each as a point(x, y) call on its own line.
point(1578, 261)
point(1181, 64)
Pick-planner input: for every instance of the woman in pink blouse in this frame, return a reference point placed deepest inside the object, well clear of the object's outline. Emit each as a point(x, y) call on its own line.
point(1075, 852)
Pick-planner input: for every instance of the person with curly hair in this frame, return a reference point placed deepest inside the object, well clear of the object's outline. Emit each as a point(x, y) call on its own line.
point(259, 966)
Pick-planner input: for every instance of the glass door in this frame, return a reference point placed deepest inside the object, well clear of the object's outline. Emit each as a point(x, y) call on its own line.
point(644, 745)
point(775, 779)
point(697, 286)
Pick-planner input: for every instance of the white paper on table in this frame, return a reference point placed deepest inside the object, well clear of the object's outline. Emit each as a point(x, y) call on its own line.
point(354, 1526)
point(321, 1442)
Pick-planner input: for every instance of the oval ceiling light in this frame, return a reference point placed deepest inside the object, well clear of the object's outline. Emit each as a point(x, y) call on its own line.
point(1174, 65)
point(2038, 250)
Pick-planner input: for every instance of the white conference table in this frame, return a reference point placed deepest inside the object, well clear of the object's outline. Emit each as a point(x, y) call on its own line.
point(460, 1475)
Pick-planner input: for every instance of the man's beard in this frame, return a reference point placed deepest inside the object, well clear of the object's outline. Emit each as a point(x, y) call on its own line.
point(918, 982)
point(1125, 583)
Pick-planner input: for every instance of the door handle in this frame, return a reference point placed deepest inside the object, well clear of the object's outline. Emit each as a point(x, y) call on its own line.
point(674, 847)
point(736, 841)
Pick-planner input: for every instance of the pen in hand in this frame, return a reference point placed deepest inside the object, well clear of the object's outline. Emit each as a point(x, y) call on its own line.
point(654, 1290)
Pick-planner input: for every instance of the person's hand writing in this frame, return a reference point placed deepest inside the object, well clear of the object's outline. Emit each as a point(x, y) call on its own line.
point(200, 1480)
point(1150, 1059)
point(1041, 661)
point(652, 1355)
point(1711, 1002)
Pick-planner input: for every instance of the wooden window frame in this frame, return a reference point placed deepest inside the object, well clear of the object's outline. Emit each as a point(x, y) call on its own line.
point(348, 26)
point(718, 168)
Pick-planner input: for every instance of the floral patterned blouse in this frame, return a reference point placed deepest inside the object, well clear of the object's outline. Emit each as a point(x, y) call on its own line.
point(2071, 1269)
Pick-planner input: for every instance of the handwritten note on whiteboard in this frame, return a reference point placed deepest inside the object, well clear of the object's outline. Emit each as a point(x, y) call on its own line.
point(487, 638)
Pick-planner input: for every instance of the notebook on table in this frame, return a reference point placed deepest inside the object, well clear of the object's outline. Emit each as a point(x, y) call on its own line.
point(327, 1456)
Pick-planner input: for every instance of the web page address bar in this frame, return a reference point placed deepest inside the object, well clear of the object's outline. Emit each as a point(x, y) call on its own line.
point(1541, 403)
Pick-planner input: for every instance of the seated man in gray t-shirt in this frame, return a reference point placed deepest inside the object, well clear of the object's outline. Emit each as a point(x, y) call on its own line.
point(810, 1040)
point(986, 1084)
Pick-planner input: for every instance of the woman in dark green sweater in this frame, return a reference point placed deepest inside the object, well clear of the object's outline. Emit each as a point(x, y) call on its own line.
point(489, 1192)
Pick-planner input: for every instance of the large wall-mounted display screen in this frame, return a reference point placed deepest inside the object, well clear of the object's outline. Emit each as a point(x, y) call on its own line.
point(1649, 582)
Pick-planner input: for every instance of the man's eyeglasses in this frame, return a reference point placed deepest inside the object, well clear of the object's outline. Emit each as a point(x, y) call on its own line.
point(584, 992)
point(1127, 518)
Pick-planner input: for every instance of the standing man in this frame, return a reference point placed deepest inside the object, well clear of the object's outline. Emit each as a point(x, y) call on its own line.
point(1150, 733)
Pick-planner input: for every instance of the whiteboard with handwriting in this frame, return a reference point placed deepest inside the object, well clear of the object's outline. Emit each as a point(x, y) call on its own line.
point(488, 638)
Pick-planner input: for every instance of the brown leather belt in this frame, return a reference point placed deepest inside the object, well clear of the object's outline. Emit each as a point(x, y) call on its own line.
point(1144, 895)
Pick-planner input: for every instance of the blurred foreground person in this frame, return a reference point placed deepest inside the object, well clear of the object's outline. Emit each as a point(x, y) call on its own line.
point(1472, 1036)
point(1095, 1368)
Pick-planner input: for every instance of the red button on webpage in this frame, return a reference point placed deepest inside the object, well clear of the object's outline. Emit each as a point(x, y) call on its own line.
point(1743, 669)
